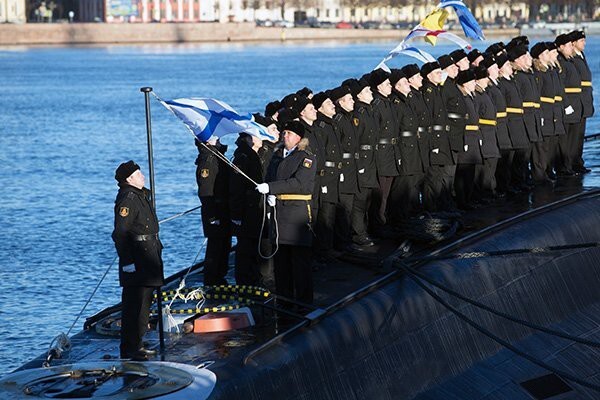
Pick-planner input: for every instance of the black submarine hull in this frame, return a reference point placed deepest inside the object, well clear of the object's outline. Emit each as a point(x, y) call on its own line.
point(398, 342)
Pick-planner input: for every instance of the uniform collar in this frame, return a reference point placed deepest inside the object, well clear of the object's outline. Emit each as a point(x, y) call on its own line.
point(288, 152)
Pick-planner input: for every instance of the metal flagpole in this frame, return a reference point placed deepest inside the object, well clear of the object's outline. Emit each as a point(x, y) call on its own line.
point(147, 91)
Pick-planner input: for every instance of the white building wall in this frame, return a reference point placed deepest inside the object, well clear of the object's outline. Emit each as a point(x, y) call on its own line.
point(12, 11)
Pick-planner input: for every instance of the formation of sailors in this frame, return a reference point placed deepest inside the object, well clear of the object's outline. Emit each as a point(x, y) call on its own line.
point(362, 157)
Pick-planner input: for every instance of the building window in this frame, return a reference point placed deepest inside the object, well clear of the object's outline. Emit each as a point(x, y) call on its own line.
point(337, 12)
point(327, 13)
point(353, 12)
point(318, 12)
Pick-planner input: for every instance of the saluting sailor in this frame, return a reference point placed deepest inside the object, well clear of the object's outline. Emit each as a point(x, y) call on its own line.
point(291, 179)
point(140, 262)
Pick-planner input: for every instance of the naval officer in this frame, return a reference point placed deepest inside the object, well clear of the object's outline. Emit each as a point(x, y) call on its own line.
point(140, 260)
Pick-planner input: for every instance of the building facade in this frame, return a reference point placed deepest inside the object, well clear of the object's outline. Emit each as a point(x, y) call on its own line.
point(12, 11)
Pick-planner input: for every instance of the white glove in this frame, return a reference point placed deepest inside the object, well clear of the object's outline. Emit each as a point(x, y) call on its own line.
point(262, 188)
point(236, 222)
point(271, 199)
point(466, 147)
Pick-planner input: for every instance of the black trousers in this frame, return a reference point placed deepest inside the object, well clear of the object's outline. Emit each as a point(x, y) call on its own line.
point(343, 221)
point(216, 260)
point(539, 161)
point(550, 148)
point(380, 200)
point(324, 228)
point(503, 170)
point(293, 272)
point(485, 177)
point(437, 189)
point(360, 210)
point(519, 169)
point(565, 145)
point(464, 181)
point(135, 301)
point(247, 267)
point(577, 149)
point(404, 200)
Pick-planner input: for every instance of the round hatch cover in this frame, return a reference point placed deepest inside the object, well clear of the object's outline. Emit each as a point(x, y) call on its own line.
point(106, 380)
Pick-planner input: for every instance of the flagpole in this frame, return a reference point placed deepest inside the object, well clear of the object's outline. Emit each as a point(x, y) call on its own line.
point(147, 91)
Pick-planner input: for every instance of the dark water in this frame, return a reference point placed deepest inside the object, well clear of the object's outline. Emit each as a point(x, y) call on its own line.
point(69, 116)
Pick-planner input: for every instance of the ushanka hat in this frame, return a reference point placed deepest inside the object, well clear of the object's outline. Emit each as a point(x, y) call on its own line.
point(428, 67)
point(562, 39)
point(516, 52)
point(538, 49)
point(125, 170)
point(319, 98)
point(396, 75)
point(458, 55)
point(501, 60)
point(465, 76)
point(576, 35)
point(339, 92)
point(294, 126)
point(473, 55)
point(495, 48)
point(377, 77)
point(272, 108)
point(488, 61)
point(445, 61)
point(410, 70)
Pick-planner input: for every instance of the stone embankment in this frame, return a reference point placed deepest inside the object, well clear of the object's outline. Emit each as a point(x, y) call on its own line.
point(85, 34)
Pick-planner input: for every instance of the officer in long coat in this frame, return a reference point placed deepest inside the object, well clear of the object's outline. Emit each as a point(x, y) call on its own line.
point(290, 183)
point(140, 262)
point(212, 177)
point(246, 209)
point(559, 112)
point(587, 97)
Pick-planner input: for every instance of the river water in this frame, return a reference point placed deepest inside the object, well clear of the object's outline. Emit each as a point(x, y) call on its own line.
point(69, 116)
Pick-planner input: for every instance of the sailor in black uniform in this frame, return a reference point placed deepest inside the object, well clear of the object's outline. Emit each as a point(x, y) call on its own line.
point(454, 102)
point(515, 123)
point(140, 261)
point(406, 186)
point(529, 90)
point(346, 129)
point(387, 155)
point(572, 104)
point(368, 133)
point(587, 97)
point(417, 104)
point(329, 178)
point(559, 112)
point(212, 177)
point(290, 183)
point(470, 154)
point(485, 174)
point(440, 179)
point(546, 82)
point(493, 65)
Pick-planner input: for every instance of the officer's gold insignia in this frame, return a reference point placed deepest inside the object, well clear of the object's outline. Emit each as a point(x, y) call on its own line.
point(204, 173)
point(124, 211)
point(356, 121)
point(307, 163)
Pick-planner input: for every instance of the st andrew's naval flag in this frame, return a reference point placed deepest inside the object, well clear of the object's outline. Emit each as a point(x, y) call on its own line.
point(209, 117)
